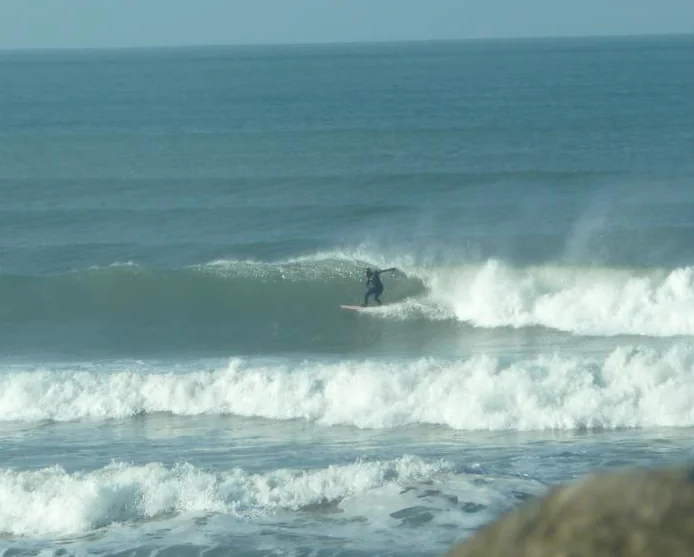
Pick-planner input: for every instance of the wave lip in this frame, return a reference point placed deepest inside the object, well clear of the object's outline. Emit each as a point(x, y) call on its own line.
point(53, 502)
point(631, 387)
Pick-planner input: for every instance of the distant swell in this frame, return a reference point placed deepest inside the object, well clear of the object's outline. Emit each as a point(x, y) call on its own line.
point(631, 387)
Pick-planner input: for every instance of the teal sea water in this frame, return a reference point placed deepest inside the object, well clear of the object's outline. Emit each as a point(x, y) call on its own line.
point(178, 228)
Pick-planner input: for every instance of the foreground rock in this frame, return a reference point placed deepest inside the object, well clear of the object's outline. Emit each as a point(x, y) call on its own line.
point(634, 513)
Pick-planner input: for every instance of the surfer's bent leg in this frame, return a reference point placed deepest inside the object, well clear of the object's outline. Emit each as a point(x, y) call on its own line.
point(371, 292)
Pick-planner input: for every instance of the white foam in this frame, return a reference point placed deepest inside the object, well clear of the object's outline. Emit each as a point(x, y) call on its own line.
point(114, 265)
point(631, 387)
point(600, 301)
point(51, 501)
point(293, 269)
point(343, 260)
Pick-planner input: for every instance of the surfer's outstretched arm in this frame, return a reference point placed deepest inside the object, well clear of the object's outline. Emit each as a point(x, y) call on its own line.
point(387, 270)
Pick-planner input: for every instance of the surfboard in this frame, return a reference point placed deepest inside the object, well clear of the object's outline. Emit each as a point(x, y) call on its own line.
point(360, 308)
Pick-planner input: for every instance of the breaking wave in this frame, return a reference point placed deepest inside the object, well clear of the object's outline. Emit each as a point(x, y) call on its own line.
point(629, 387)
point(303, 295)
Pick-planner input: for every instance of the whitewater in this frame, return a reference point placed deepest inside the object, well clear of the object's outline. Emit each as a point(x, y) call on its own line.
point(630, 387)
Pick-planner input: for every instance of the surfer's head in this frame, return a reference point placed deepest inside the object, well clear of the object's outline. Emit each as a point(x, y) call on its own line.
point(369, 272)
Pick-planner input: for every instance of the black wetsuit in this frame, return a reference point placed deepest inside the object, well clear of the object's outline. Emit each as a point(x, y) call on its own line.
point(374, 287)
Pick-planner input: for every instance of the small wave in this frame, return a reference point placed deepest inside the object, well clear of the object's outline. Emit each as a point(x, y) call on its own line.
point(52, 501)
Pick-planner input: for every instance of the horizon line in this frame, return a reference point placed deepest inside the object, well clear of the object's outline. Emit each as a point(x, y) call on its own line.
point(348, 43)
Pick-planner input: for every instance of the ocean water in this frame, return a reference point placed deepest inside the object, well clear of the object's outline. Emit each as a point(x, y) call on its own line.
point(179, 227)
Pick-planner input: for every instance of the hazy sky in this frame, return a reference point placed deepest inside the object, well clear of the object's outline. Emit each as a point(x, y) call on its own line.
point(106, 23)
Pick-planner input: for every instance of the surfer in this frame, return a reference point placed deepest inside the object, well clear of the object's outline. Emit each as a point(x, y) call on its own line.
point(374, 286)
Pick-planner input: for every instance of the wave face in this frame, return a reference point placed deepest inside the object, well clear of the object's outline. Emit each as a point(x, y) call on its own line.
point(256, 307)
point(226, 305)
point(630, 387)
